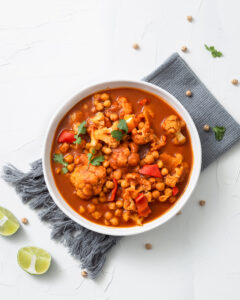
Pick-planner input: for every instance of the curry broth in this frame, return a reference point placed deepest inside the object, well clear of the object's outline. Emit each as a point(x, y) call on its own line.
point(161, 110)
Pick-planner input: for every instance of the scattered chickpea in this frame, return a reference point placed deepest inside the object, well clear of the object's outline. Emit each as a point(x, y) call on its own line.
point(108, 215)
point(96, 215)
point(124, 184)
point(202, 202)
point(107, 103)
point(106, 222)
point(189, 18)
point(155, 154)
point(106, 150)
point(119, 203)
point(135, 46)
point(112, 206)
point(184, 48)
point(70, 167)
point(206, 127)
point(95, 200)
point(188, 93)
point(113, 117)
point(82, 209)
point(88, 145)
point(148, 195)
point(118, 212)
point(98, 146)
point(109, 170)
point(152, 180)
point(114, 221)
point(24, 221)
point(91, 207)
point(99, 107)
point(164, 171)
point(140, 125)
point(109, 185)
point(234, 81)
point(149, 159)
point(117, 174)
point(84, 274)
point(126, 216)
point(68, 158)
point(106, 163)
point(155, 194)
point(160, 164)
point(104, 96)
point(148, 246)
point(160, 186)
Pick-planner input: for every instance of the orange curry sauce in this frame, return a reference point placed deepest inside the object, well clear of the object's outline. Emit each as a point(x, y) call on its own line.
point(161, 111)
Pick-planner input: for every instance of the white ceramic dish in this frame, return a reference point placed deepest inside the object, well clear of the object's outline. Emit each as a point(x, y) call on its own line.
point(62, 204)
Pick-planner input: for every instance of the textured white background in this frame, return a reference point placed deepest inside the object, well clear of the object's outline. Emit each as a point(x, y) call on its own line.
point(48, 51)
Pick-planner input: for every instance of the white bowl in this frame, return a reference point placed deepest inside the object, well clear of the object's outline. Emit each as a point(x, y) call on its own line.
point(197, 157)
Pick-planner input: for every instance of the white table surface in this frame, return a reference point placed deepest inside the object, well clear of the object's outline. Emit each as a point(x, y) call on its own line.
point(48, 51)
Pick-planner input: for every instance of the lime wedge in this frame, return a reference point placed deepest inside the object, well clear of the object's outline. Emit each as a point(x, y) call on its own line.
point(8, 222)
point(35, 261)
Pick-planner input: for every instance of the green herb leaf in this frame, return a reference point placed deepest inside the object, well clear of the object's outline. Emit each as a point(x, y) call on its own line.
point(59, 158)
point(219, 132)
point(64, 170)
point(214, 52)
point(96, 161)
point(122, 124)
point(81, 128)
point(117, 135)
point(89, 155)
point(78, 139)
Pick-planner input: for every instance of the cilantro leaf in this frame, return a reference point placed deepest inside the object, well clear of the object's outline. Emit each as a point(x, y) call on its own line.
point(213, 51)
point(59, 158)
point(78, 139)
point(96, 161)
point(122, 124)
point(64, 170)
point(219, 132)
point(81, 128)
point(117, 135)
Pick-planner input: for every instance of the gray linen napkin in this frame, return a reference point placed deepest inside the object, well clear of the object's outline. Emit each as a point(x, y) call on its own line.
point(89, 247)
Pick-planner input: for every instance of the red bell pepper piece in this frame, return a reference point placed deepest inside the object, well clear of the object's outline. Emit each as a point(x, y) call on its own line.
point(114, 190)
point(66, 136)
point(175, 191)
point(151, 170)
point(143, 101)
point(142, 205)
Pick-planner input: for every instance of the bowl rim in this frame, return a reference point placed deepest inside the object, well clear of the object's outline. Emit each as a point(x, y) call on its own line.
point(71, 102)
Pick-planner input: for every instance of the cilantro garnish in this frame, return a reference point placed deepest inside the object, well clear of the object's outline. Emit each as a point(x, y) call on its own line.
point(122, 124)
point(59, 159)
point(214, 52)
point(219, 132)
point(81, 130)
point(96, 161)
point(117, 135)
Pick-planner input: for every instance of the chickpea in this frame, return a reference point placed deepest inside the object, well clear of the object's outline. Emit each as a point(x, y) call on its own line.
point(164, 171)
point(103, 198)
point(142, 162)
point(109, 185)
point(124, 184)
point(109, 170)
point(172, 199)
point(91, 208)
point(68, 158)
point(96, 215)
point(114, 221)
point(108, 215)
point(99, 107)
point(24, 221)
point(188, 93)
point(126, 216)
point(107, 103)
point(105, 190)
point(106, 222)
point(113, 117)
point(118, 212)
point(88, 146)
point(134, 131)
point(160, 164)
point(106, 164)
point(104, 96)
point(70, 167)
point(112, 206)
point(95, 200)
point(64, 147)
point(133, 159)
point(98, 146)
point(149, 159)
point(141, 125)
point(119, 203)
point(106, 150)
point(152, 180)
point(117, 174)
point(168, 192)
point(155, 154)
point(155, 194)
point(148, 195)
point(160, 186)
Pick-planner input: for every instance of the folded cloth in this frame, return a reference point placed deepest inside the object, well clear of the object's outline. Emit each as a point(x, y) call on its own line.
point(90, 247)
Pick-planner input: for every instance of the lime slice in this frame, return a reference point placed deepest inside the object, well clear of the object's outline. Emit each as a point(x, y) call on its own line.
point(8, 222)
point(33, 260)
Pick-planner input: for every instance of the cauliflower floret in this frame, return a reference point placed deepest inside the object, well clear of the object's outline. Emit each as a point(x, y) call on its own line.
point(125, 107)
point(171, 162)
point(122, 156)
point(173, 125)
point(157, 142)
point(88, 181)
point(144, 135)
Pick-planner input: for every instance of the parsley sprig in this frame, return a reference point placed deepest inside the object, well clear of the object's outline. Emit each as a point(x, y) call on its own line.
point(81, 130)
point(96, 161)
point(213, 51)
point(59, 159)
point(117, 134)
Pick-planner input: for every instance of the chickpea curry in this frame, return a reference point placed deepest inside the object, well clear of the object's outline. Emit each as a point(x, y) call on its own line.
point(121, 157)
